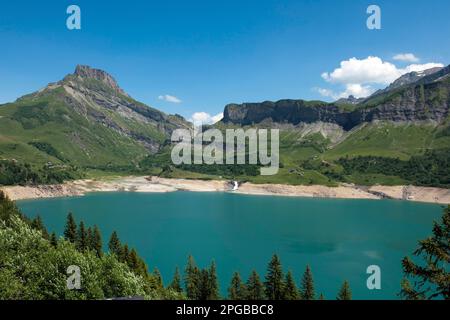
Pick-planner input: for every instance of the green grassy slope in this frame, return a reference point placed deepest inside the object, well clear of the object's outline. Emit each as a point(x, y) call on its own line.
point(386, 140)
point(314, 159)
point(84, 122)
point(77, 140)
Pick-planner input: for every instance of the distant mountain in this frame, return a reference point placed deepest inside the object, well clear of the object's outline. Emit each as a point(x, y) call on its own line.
point(407, 79)
point(412, 77)
point(351, 100)
point(414, 97)
point(85, 119)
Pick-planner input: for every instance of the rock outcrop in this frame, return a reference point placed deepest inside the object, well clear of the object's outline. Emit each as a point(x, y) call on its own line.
point(86, 72)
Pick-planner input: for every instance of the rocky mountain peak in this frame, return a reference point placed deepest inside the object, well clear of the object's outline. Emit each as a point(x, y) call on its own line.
point(350, 100)
point(86, 72)
point(423, 76)
point(412, 77)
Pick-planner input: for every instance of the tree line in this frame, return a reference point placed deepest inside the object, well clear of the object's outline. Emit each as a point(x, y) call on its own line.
point(430, 169)
point(202, 284)
point(197, 283)
point(17, 173)
point(90, 239)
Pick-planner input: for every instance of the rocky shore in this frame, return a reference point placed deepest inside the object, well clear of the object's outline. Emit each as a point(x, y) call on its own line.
point(157, 184)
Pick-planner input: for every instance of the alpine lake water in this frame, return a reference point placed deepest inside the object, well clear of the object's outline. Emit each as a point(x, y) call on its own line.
point(338, 238)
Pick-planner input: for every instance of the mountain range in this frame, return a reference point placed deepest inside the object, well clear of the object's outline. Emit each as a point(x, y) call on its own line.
point(87, 121)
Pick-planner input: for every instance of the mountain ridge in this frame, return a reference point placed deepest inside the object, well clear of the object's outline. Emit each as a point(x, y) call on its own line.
point(406, 79)
point(426, 99)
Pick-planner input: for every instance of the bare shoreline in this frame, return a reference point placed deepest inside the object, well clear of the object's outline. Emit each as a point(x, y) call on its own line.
point(161, 185)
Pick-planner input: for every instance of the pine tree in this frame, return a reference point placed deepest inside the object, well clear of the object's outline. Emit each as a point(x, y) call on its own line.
point(345, 293)
point(90, 239)
point(125, 254)
point(39, 225)
point(207, 287)
point(143, 270)
point(290, 288)
point(321, 297)
point(82, 238)
point(70, 230)
point(114, 245)
point(274, 285)
point(203, 285)
point(158, 278)
point(255, 288)
point(431, 278)
point(53, 240)
point(213, 284)
point(8, 209)
point(307, 288)
point(97, 241)
point(237, 290)
point(133, 260)
point(176, 281)
point(192, 279)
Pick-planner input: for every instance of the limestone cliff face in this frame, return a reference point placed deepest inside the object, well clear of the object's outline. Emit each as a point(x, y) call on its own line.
point(284, 111)
point(415, 103)
point(426, 99)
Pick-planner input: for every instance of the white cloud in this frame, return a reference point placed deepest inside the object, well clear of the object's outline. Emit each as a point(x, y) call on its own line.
point(406, 57)
point(325, 92)
point(358, 76)
point(199, 118)
point(217, 117)
point(356, 90)
point(169, 98)
point(369, 70)
point(421, 67)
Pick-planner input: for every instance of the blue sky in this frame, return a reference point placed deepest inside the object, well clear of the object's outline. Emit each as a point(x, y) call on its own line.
point(210, 53)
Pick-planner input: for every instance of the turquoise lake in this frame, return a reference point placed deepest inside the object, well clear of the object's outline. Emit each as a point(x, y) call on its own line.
point(338, 238)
